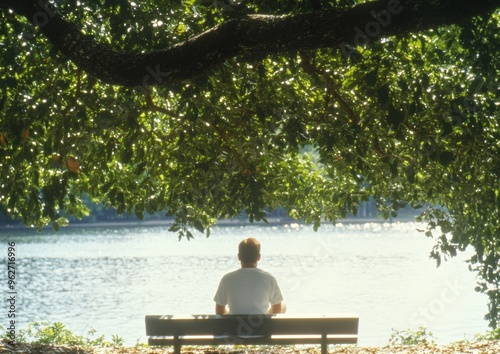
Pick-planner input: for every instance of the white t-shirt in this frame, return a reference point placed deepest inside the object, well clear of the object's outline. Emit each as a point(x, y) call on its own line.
point(248, 291)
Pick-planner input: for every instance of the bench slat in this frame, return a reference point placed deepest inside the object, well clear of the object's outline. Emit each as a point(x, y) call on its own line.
point(161, 341)
point(157, 325)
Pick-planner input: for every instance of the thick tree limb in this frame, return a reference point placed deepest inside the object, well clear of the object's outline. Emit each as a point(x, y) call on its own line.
point(361, 24)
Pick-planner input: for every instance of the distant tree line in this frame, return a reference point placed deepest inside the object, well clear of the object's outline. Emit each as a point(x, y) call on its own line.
point(99, 212)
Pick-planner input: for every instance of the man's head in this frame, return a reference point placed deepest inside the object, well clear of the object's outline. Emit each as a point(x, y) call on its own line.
point(249, 250)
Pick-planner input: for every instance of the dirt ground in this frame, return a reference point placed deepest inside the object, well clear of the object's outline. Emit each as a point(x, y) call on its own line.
point(488, 347)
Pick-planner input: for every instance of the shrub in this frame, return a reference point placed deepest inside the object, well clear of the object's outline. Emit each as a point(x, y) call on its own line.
point(409, 337)
point(56, 333)
point(493, 334)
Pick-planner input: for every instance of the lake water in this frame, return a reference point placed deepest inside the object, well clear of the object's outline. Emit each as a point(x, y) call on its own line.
point(109, 278)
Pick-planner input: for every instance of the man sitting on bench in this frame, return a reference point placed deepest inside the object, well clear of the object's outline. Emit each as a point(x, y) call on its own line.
point(248, 290)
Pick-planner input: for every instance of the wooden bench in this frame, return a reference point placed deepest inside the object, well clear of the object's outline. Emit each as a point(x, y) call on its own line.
point(251, 329)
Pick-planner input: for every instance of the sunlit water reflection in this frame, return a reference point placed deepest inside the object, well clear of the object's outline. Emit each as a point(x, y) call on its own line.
point(109, 278)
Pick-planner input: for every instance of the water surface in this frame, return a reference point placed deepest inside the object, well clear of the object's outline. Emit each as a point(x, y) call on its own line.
point(109, 278)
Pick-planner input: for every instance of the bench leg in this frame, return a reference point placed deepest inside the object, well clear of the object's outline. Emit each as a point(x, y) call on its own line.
point(177, 345)
point(324, 344)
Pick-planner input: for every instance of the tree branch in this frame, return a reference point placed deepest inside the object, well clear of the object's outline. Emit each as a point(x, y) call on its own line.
point(359, 25)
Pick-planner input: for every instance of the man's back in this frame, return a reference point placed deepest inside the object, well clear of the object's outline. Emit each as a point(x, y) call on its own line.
point(248, 291)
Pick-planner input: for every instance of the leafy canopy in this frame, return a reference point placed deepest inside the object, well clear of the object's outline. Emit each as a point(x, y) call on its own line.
point(411, 119)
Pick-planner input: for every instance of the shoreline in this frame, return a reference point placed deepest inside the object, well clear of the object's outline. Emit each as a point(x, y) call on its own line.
point(220, 223)
point(463, 347)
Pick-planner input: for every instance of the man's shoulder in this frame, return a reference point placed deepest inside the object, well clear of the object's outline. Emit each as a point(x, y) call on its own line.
point(264, 274)
point(231, 274)
point(256, 271)
point(261, 271)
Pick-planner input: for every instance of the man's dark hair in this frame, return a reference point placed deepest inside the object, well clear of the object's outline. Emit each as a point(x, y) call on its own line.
point(249, 250)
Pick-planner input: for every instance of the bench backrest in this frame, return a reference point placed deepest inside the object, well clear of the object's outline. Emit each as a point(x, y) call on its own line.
point(250, 325)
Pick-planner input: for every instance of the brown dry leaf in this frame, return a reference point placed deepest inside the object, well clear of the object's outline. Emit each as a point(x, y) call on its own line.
point(73, 164)
point(489, 347)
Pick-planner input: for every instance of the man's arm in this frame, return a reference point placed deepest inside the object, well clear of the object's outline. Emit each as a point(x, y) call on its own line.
point(275, 309)
point(220, 309)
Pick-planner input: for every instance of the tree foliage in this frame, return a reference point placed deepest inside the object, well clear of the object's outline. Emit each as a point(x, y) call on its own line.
point(404, 109)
